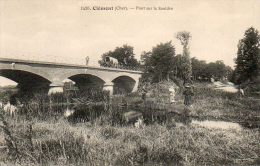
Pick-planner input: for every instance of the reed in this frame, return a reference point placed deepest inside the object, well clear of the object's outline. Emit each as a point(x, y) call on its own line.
point(41, 136)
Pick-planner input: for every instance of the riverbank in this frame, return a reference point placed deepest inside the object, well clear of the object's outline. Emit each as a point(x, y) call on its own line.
point(59, 143)
point(40, 135)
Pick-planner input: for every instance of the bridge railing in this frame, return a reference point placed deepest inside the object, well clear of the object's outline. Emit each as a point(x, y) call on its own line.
point(122, 67)
point(109, 66)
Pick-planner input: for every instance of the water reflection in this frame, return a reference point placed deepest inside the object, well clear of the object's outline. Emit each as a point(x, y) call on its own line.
point(217, 124)
point(82, 112)
point(77, 113)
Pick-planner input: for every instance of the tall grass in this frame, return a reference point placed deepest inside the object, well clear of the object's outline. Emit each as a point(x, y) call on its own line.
point(217, 104)
point(41, 136)
point(63, 144)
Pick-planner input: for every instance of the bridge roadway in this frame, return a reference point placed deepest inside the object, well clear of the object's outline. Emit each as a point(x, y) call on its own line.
point(35, 75)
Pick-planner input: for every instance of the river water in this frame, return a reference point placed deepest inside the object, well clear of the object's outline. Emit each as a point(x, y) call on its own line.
point(217, 124)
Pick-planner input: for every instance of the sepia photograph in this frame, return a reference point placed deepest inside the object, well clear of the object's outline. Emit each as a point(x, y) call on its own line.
point(129, 82)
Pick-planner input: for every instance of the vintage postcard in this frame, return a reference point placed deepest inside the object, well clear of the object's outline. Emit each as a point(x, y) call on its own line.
point(129, 82)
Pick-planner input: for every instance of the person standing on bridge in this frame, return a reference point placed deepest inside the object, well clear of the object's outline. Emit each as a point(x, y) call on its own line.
point(87, 60)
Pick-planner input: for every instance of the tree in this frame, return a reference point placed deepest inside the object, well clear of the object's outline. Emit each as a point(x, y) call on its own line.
point(177, 63)
point(217, 70)
point(158, 64)
point(186, 68)
point(124, 55)
point(248, 57)
point(198, 69)
point(203, 71)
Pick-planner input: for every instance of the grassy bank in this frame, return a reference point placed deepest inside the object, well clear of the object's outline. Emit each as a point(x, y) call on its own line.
point(85, 144)
point(40, 135)
point(216, 104)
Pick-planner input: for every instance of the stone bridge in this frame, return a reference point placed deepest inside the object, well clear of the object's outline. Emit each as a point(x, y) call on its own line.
point(35, 75)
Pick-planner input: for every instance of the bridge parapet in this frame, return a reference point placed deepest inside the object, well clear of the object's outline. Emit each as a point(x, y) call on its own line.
point(68, 65)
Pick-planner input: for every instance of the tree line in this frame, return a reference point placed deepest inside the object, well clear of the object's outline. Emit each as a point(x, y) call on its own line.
point(162, 63)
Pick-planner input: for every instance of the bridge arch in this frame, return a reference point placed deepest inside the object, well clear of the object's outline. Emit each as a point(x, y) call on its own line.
point(87, 81)
point(123, 84)
point(27, 81)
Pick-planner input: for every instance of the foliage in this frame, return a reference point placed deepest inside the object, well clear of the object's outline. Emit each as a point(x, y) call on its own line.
point(201, 70)
point(57, 142)
point(184, 38)
point(124, 55)
point(248, 57)
point(217, 70)
point(198, 68)
point(158, 63)
point(162, 64)
point(185, 65)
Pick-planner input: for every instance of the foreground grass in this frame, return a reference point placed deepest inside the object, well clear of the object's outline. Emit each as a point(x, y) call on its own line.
point(39, 139)
point(84, 144)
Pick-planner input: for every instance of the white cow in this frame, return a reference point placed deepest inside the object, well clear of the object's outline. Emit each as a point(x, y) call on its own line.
point(241, 92)
point(132, 116)
point(10, 109)
point(68, 112)
point(1, 105)
point(139, 123)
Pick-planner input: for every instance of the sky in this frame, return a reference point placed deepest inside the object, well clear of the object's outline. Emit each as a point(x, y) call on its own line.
point(59, 31)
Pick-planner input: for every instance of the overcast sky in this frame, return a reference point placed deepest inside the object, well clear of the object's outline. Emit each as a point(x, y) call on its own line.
point(59, 31)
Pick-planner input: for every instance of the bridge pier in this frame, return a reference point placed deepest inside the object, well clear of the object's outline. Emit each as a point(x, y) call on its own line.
point(109, 86)
point(55, 88)
point(136, 86)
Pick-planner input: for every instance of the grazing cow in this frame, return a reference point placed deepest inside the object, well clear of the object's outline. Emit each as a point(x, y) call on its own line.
point(132, 116)
point(68, 112)
point(139, 123)
point(1, 104)
point(10, 109)
point(241, 92)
